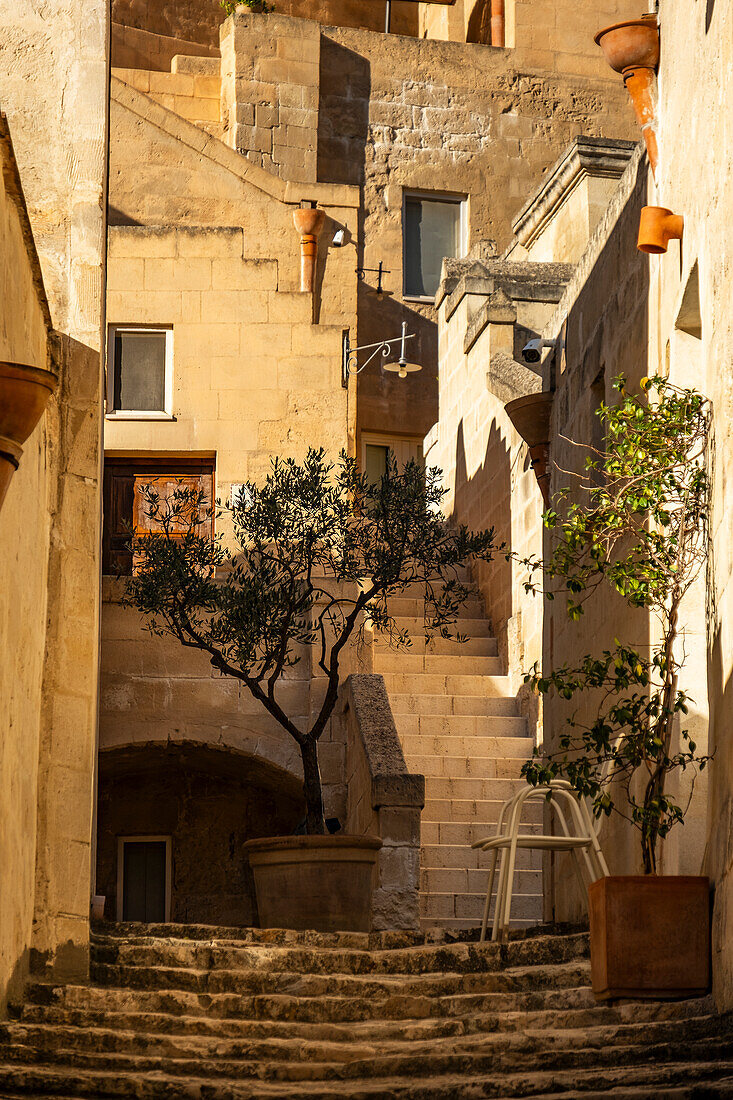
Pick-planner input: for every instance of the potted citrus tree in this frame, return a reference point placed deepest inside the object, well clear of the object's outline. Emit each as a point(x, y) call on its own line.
point(317, 547)
point(637, 523)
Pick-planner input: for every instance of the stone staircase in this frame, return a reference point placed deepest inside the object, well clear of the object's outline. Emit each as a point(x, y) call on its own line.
point(459, 727)
point(221, 1014)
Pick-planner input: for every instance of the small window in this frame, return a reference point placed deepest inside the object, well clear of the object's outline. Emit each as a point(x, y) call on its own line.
point(432, 230)
point(141, 374)
point(123, 503)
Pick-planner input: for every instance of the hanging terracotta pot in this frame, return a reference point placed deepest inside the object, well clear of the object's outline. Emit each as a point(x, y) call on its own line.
point(634, 44)
point(531, 417)
point(24, 394)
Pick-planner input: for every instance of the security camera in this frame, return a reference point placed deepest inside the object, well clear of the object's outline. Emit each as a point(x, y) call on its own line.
point(339, 238)
point(532, 352)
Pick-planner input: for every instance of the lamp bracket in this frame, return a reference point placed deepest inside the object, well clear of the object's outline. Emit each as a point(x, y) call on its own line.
point(349, 356)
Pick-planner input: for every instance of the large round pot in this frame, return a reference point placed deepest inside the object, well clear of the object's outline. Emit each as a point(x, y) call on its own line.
point(649, 936)
point(24, 394)
point(634, 44)
point(317, 882)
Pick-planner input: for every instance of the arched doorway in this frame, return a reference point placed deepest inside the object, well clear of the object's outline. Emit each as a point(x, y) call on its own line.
point(171, 824)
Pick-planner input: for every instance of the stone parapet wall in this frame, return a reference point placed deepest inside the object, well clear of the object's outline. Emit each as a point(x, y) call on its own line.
point(383, 800)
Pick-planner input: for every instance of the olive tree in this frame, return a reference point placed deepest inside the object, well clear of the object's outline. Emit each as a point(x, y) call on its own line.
point(637, 523)
point(318, 548)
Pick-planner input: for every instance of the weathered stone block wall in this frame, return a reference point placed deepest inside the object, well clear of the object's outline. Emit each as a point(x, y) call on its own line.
point(53, 73)
point(270, 72)
point(132, 48)
point(199, 20)
point(399, 115)
point(383, 799)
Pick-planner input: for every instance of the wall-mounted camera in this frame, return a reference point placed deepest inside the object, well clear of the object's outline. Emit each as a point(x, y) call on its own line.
point(532, 351)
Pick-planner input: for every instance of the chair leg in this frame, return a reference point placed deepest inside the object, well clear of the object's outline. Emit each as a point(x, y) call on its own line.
point(508, 891)
point(490, 887)
point(499, 903)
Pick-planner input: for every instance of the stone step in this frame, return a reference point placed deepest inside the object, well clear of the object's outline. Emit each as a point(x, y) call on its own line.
point(487, 767)
point(418, 746)
point(432, 683)
point(403, 661)
point(462, 855)
point(463, 832)
point(255, 983)
point(470, 907)
point(477, 810)
point(437, 647)
point(685, 1079)
point(480, 627)
point(420, 955)
point(474, 880)
point(463, 725)
point(441, 787)
point(561, 1034)
point(490, 705)
point(517, 1015)
point(501, 1057)
point(413, 607)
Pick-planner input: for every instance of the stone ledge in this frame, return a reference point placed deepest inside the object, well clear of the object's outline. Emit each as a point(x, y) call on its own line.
point(587, 156)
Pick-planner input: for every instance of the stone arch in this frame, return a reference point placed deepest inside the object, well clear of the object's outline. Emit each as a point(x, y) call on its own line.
point(209, 800)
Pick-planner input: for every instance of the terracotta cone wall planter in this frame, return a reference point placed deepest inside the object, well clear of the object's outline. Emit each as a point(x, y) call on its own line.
point(632, 48)
point(309, 223)
point(650, 936)
point(323, 883)
point(24, 394)
point(531, 417)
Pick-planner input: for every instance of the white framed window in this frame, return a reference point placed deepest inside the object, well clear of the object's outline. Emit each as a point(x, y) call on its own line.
point(144, 878)
point(140, 372)
point(433, 227)
point(375, 448)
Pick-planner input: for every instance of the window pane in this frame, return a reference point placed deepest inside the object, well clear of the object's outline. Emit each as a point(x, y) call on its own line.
point(140, 371)
point(432, 231)
point(376, 462)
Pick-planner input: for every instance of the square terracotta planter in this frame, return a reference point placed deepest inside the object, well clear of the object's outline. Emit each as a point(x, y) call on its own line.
point(650, 936)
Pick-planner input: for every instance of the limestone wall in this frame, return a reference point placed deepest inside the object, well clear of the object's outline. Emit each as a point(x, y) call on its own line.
point(53, 77)
point(695, 179)
point(559, 33)
point(24, 540)
point(485, 124)
point(199, 20)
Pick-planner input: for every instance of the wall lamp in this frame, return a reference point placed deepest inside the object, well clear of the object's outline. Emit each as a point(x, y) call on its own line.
point(362, 272)
point(400, 367)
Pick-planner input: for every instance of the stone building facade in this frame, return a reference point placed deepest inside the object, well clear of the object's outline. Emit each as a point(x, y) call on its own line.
point(52, 146)
point(209, 161)
point(626, 312)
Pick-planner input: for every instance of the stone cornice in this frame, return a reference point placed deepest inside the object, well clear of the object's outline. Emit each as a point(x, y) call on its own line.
point(587, 156)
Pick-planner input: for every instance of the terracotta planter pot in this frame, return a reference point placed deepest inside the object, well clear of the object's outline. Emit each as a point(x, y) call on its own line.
point(657, 227)
point(629, 45)
point(650, 936)
point(531, 417)
point(317, 882)
point(24, 394)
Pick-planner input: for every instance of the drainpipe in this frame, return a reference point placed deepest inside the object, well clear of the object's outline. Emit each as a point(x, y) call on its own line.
point(632, 49)
point(497, 23)
point(309, 223)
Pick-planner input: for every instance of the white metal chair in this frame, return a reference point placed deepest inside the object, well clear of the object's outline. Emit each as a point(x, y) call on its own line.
point(581, 841)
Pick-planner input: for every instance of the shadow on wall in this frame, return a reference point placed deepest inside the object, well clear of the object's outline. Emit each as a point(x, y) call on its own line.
point(209, 801)
point(483, 499)
point(386, 402)
point(709, 12)
point(343, 114)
